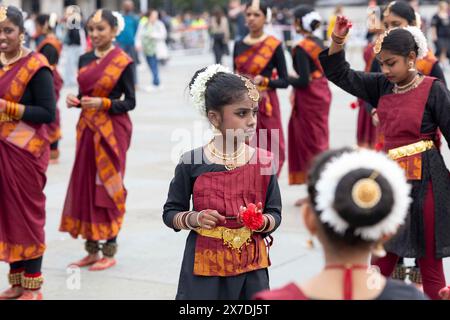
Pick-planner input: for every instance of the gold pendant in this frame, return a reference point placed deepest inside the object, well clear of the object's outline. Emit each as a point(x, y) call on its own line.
point(230, 166)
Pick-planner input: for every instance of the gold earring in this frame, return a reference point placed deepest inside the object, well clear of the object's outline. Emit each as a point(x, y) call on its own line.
point(378, 251)
point(22, 38)
point(411, 67)
point(310, 242)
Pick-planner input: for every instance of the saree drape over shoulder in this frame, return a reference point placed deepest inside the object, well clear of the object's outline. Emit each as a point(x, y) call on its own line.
point(24, 156)
point(252, 62)
point(95, 201)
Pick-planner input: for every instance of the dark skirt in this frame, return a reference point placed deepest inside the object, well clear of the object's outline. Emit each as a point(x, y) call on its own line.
point(240, 287)
point(410, 239)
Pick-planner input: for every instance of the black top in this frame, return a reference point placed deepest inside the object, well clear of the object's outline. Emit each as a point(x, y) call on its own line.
point(277, 62)
point(39, 98)
point(50, 53)
point(398, 290)
point(442, 26)
point(186, 173)
point(371, 87)
point(303, 65)
point(124, 86)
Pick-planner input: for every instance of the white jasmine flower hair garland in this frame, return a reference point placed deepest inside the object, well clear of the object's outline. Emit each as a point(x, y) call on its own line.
point(420, 39)
point(363, 159)
point(120, 22)
point(198, 88)
point(309, 18)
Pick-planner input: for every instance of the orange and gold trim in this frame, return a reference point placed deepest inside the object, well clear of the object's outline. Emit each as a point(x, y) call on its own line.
point(91, 231)
point(17, 252)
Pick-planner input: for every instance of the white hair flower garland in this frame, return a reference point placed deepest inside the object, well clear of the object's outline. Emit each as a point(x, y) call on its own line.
point(120, 22)
point(269, 15)
point(363, 159)
point(420, 39)
point(198, 88)
point(308, 19)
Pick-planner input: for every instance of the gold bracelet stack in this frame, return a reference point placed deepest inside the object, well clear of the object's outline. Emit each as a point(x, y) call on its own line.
point(12, 110)
point(106, 104)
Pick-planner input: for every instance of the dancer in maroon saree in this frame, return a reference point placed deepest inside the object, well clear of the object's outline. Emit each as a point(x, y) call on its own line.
point(95, 201)
point(308, 125)
point(411, 108)
point(27, 101)
point(50, 46)
point(261, 58)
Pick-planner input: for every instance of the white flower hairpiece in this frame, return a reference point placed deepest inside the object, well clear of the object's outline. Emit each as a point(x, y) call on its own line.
point(198, 88)
point(120, 22)
point(309, 18)
point(269, 15)
point(420, 39)
point(363, 159)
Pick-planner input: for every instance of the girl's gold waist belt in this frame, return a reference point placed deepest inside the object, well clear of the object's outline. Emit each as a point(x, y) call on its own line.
point(410, 149)
point(234, 238)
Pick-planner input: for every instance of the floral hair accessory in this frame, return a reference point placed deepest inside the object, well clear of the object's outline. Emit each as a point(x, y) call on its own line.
point(198, 88)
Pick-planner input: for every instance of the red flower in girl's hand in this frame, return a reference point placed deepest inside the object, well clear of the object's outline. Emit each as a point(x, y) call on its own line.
point(251, 216)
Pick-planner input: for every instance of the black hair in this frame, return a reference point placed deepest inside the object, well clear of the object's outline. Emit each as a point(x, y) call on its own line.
point(302, 11)
point(15, 16)
point(44, 19)
point(221, 90)
point(108, 16)
point(262, 5)
point(403, 10)
point(347, 209)
point(400, 42)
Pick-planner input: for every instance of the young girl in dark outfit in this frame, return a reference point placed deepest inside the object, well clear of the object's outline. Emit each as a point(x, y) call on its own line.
point(226, 257)
point(410, 109)
point(308, 125)
point(355, 199)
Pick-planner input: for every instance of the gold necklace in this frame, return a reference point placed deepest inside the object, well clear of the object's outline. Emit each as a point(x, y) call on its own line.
point(102, 54)
point(230, 160)
point(408, 87)
point(251, 41)
point(6, 63)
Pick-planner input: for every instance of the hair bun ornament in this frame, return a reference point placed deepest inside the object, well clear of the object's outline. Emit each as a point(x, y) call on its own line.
point(309, 18)
point(198, 88)
point(365, 193)
point(120, 22)
point(420, 39)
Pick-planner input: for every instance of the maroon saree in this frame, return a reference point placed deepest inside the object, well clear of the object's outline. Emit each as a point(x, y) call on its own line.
point(251, 63)
point(95, 201)
point(308, 133)
point(24, 156)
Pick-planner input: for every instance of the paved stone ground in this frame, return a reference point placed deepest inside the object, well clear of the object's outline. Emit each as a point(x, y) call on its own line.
point(150, 254)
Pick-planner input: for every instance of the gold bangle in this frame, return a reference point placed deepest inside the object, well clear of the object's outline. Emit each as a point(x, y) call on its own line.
point(339, 37)
point(264, 224)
